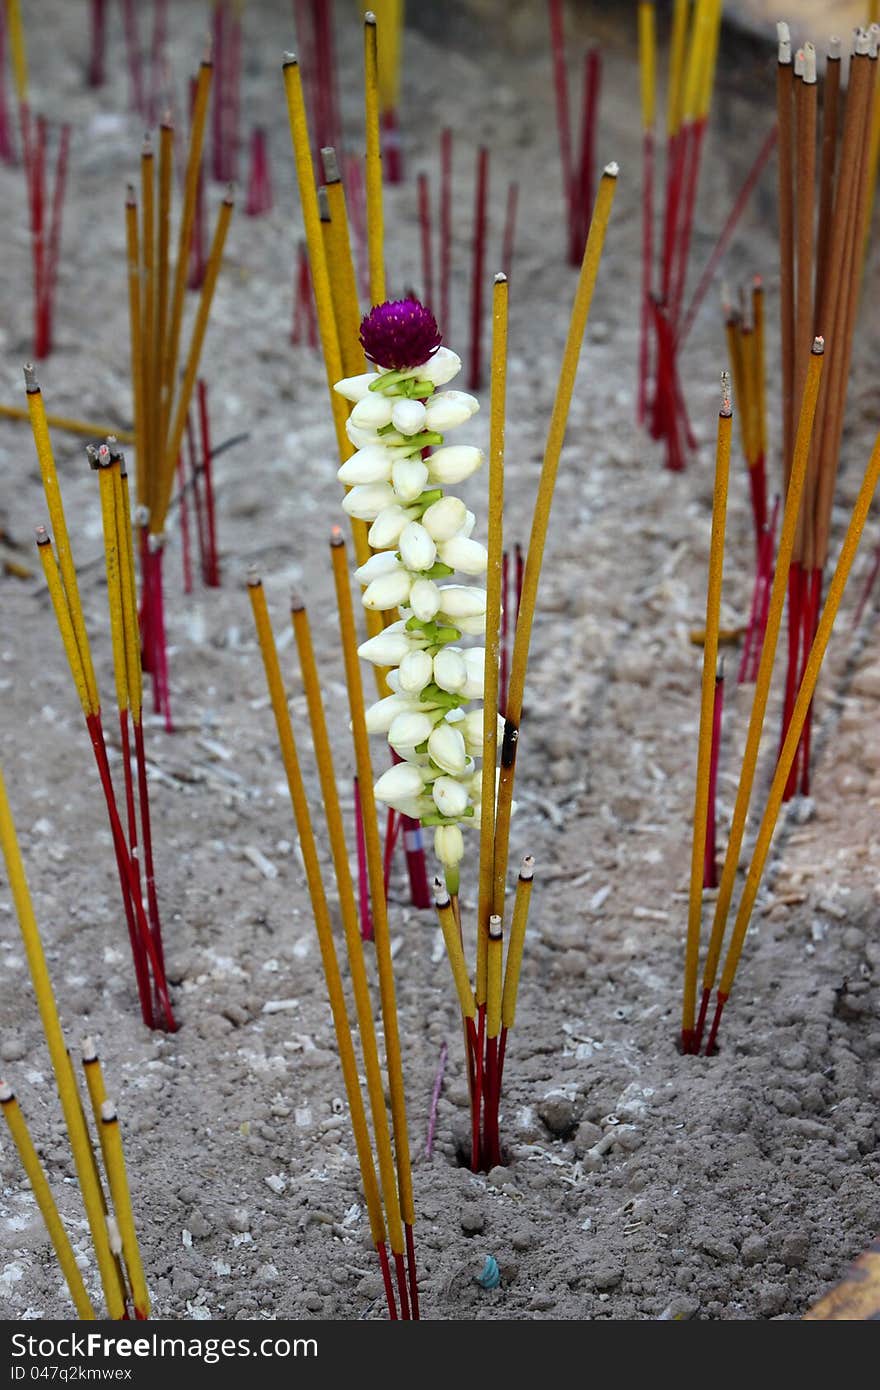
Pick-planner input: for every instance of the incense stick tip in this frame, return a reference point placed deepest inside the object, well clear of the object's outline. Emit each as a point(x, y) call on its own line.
point(719, 671)
point(42, 536)
point(31, 385)
point(832, 51)
point(297, 602)
point(799, 63)
point(147, 146)
point(441, 895)
point(783, 39)
point(92, 456)
point(370, 18)
point(726, 408)
point(114, 1236)
point(611, 170)
point(130, 196)
point(108, 1112)
point(500, 278)
point(229, 196)
point(495, 928)
point(323, 205)
point(289, 60)
point(253, 577)
point(809, 63)
point(89, 1051)
point(330, 164)
point(818, 346)
point(6, 1093)
point(527, 867)
point(862, 45)
point(336, 536)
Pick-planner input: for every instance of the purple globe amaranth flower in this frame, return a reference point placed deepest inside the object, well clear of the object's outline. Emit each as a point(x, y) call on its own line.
point(399, 334)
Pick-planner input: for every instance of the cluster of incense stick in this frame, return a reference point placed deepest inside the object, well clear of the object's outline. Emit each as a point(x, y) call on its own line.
point(157, 287)
point(226, 38)
point(107, 1202)
point(578, 168)
point(694, 1021)
point(134, 854)
point(824, 194)
point(196, 483)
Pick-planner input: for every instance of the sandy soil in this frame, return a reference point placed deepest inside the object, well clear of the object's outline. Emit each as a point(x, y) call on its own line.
point(732, 1188)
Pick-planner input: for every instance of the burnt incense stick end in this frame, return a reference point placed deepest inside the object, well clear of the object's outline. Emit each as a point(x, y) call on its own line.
point(832, 49)
point(229, 195)
point(809, 63)
point(370, 18)
point(130, 196)
point(495, 928)
point(862, 45)
point(799, 61)
point(441, 895)
point(527, 868)
point(611, 170)
point(31, 385)
point(289, 60)
point(500, 278)
point(336, 537)
point(818, 346)
point(726, 407)
point(297, 602)
point(6, 1093)
point(330, 164)
point(253, 577)
point(108, 1112)
point(147, 146)
point(114, 1236)
point(89, 1051)
point(42, 536)
point(323, 204)
point(92, 456)
point(783, 40)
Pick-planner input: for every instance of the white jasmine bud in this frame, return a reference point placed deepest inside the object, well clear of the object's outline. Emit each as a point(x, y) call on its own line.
point(446, 748)
point(410, 729)
point(408, 416)
point(354, 388)
point(475, 666)
point(472, 728)
point(386, 648)
point(370, 465)
point(446, 409)
point(416, 671)
point(462, 601)
point(417, 549)
point(450, 796)
point(424, 599)
point(472, 627)
point(470, 522)
point(408, 478)
point(385, 530)
point(388, 591)
point(462, 554)
point(450, 671)
point(454, 463)
point(360, 438)
point(379, 716)
point(400, 783)
point(383, 562)
point(372, 412)
point(449, 845)
point(367, 500)
point(440, 367)
point(444, 518)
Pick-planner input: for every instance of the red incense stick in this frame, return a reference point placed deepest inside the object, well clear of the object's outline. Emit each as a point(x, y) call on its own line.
point(425, 231)
point(710, 866)
point(363, 883)
point(647, 271)
point(259, 192)
point(475, 375)
point(186, 559)
point(507, 245)
point(133, 57)
point(98, 43)
point(445, 230)
point(212, 572)
point(586, 180)
point(563, 119)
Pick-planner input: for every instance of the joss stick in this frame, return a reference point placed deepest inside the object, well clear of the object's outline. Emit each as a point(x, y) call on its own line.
point(481, 193)
point(785, 194)
point(805, 156)
point(61, 1065)
point(425, 240)
point(45, 1201)
point(765, 673)
point(98, 43)
point(585, 182)
point(185, 555)
point(212, 576)
point(707, 715)
point(451, 930)
point(445, 229)
point(710, 866)
point(795, 729)
point(830, 121)
point(363, 881)
point(515, 946)
point(563, 120)
point(117, 1179)
point(133, 56)
point(540, 522)
point(647, 70)
point(492, 1155)
point(373, 163)
point(507, 245)
point(349, 914)
point(299, 802)
point(340, 268)
point(64, 423)
point(378, 903)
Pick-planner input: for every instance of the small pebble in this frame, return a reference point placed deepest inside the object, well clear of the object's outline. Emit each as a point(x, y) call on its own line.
point(472, 1218)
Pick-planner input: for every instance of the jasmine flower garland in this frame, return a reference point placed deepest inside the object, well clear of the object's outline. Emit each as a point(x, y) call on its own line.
point(421, 536)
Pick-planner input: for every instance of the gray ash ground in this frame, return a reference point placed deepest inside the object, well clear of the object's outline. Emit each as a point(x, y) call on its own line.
point(737, 1187)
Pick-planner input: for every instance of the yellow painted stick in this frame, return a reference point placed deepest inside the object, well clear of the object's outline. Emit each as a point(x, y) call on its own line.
point(541, 519)
point(648, 62)
point(172, 446)
point(798, 718)
point(376, 874)
point(97, 1090)
point(131, 629)
point(64, 1079)
point(18, 50)
point(163, 268)
point(184, 242)
point(318, 897)
point(64, 422)
point(710, 58)
point(707, 715)
point(340, 266)
point(117, 1178)
point(46, 460)
point(373, 163)
point(768, 656)
point(495, 956)
point(135, 333)
point(45, 1201)
point(678, 41)
point(513, 965)
point(63, 619)
point(494, 600)
point(114, 578)
point(350, 923)
point(454, 949)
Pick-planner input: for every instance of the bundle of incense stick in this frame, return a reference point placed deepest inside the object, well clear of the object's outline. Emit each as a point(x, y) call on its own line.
point(157, 288)
point(578, 169)
point(106, 1200)
point(134, 853)
point(823, 206)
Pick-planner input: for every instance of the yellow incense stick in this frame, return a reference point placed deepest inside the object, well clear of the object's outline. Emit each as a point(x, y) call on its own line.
point(114, 579)
point(350, 924)
point(111, 1145)
point(376, 874)
point(321, 912)
point(64, 1079)
point(675, 95)
point(18, 50)
point(494, 600)
point(46, 460)
point(648, 62)
point(798, 717)
point(373, 163)
point(45, 1201)
point(63, 619)
point(707, 715)
point(152, 442)
point(64, 422)
point(454, 950)
point(128, 585)
point(340, 266)
point(519, 922)
point(172, 448)
point(541, 519)
point(768, 655)
point(494, 958)
point(133, 261)
point(710, 58)
point(184, 243)
point(163, 243)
